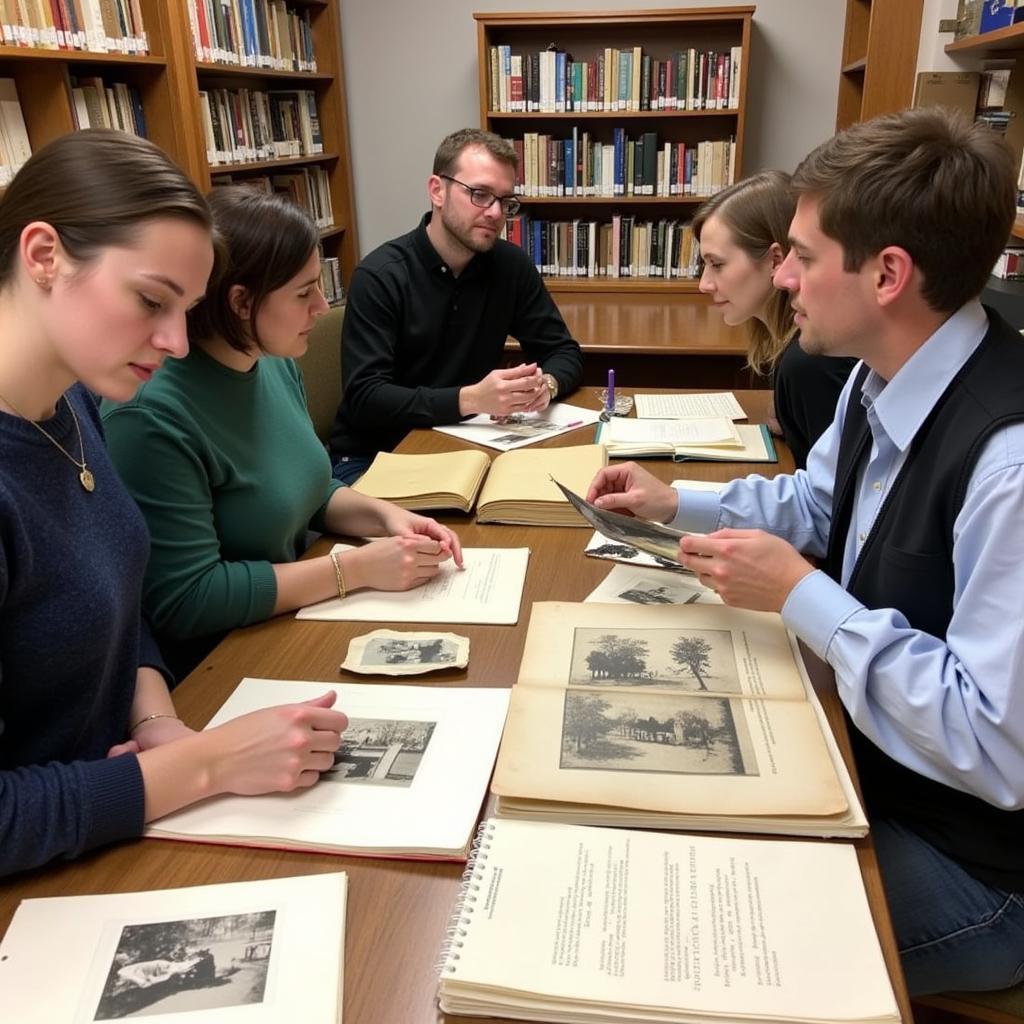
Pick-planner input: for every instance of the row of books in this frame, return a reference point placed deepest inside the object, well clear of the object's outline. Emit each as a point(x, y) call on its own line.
point(253, 33)
point(580, 166)
point(99, 104)
point(98, 26)
point(15, 148)
point(330, 280)
point(629, 79)
point(308, 187)
point(625, 246)
point(246, 125)
point(1010, 265)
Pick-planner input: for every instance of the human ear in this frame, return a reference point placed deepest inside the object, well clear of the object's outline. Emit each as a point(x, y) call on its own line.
point(240, 301)
point(892, 273)
point(776, 255)
point(41, 252)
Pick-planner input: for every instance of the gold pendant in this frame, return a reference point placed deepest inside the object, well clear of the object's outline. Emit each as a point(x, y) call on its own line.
point(88, 481)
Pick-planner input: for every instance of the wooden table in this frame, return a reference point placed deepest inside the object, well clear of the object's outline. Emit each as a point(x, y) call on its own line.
point(397, 910)
point(656, 340)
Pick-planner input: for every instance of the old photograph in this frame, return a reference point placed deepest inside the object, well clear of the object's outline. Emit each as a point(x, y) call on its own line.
point(180, 966)
point(516, 431)
point(701, 660)
point(664, 733)
point(380, 752)
point(389, 652)
point(599, 546)
point(399, 651)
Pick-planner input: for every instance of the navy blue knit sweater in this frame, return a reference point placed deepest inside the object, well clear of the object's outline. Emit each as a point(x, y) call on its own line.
point(71, 641)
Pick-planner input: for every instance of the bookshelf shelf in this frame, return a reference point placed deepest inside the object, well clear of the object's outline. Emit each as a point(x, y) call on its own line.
point(210, 69)
point(651, 42)
point(270, 165)
point(1009, 38)
point(169, 83)
point(619, 285)
point(612, 200)
point(28, 54)
point(607, 115)
point(880, 43)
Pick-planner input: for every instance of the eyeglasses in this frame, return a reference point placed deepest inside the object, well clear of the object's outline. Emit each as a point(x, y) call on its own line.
point(485, 198)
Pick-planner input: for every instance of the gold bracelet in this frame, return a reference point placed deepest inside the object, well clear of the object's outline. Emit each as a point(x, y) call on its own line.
point(149, 718)
point(338, 575)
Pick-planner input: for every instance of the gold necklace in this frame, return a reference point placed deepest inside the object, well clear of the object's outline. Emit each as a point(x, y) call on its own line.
point(85, 477)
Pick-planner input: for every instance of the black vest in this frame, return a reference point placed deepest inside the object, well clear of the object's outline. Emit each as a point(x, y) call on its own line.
point(906, 563)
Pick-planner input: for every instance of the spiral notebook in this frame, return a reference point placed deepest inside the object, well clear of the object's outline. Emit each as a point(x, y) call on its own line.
point(577, 924)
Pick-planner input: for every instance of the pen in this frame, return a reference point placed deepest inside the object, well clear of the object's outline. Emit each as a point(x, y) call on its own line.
point(609, 402)
point(575, 423)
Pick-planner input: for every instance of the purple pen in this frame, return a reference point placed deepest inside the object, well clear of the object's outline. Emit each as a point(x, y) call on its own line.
point(609, 402)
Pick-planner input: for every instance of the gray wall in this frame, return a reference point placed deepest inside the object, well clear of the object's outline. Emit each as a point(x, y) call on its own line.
point(411, 77)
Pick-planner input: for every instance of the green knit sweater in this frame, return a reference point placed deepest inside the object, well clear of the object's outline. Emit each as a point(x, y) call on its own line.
point(229, 475)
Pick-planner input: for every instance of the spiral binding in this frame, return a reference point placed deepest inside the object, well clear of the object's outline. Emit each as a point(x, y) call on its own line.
point(462, 914)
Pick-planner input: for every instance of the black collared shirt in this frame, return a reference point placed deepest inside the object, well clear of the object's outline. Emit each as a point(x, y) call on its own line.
point(414, 334)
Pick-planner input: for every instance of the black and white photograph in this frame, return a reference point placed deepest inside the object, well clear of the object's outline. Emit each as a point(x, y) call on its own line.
point(180, 966)
point(395, 651)
point(699, 660)
point(600, 546)
point(380, 752)
point(664, 733)
point(516, 431)
point(654, 538)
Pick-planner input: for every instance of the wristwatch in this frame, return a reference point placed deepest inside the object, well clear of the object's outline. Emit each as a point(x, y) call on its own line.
point(552, 385)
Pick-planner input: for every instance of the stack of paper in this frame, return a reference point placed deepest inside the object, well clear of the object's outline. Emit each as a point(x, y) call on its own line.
point(408, 779)
point(444, 480)
point(598, 925)
point(522, 429)
point(521, 486)
point(715, 439)
point(677, 406)
point(241, 951)
point(692, 716)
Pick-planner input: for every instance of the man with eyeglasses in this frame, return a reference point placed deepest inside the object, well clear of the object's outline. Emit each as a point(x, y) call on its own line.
point(428, 314)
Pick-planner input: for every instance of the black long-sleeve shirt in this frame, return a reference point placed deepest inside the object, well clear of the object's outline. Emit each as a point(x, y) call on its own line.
point(806, 392)
point(414, 334)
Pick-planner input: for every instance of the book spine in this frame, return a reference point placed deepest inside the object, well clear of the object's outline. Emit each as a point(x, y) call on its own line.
point(466, 900)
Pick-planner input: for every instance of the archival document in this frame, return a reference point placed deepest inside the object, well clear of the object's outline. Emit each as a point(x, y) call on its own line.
point(559, 922)
point(672, 716)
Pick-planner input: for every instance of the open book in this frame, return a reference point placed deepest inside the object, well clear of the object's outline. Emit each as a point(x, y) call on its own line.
point(417, 482)
point(261, 952)
point(408, 780)
point(518, 487)
point(685, 717)
point(521, 486)
point(557, 922)
point(681, 441)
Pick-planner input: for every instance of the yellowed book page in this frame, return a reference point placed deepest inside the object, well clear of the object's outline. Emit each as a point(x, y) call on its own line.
point(679, 753)
point(691, 649)
point(707, 432)
point(526, 475)
point(394, 476)
point(590, 923)
point(752, 447)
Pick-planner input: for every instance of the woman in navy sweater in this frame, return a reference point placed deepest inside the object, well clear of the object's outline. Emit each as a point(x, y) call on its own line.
point(743, 234)
point(104, 245)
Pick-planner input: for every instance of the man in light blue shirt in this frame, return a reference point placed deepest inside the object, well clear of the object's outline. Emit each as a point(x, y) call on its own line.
point(913, 504)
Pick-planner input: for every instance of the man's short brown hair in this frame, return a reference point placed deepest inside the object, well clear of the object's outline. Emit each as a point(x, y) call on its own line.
point(446, 159)
point(928, 181)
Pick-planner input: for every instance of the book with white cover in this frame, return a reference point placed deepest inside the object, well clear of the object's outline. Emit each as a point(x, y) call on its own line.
point(676, 406)
point(522, 429)
point(575, 924)
point(259, 952)
point(488, 590)
point(409, 779)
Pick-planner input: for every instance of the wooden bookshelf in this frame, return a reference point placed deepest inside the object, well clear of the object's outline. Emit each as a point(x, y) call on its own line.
point(1003, 43)
point(169, 79)
point(585, 35)
point(877, 71)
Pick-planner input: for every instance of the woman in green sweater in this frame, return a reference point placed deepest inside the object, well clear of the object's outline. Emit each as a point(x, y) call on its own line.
point(220, 454)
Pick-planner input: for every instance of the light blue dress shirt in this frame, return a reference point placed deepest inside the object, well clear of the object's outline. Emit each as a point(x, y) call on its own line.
point(951, 710)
